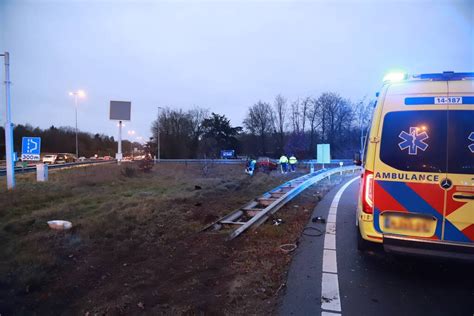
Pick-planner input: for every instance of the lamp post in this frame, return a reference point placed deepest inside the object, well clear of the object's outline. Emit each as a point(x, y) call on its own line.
point(77, 94)
point(8, 126)
point(131, 133)
point(158, 136)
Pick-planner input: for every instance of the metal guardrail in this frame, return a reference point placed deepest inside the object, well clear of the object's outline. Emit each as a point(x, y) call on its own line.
point(334, 162)
point(57, 166)
point(275, 198)
point(241, 161)
point(202, 161)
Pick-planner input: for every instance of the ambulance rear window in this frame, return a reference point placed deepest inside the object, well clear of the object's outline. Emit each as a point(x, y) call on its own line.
point(461, 141)
point(415, 140)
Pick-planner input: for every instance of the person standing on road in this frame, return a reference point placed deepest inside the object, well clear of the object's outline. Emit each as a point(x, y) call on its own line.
point(284, 163)
point(293, 162)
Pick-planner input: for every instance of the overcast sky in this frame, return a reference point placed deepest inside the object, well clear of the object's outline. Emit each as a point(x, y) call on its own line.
point(221, 55)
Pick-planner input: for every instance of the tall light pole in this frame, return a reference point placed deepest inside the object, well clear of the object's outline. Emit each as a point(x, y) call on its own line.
point(131, 133)
point(158, 137)
point(77, 94)
point(8, 126)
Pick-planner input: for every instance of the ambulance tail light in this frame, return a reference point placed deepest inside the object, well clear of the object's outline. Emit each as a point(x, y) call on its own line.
point(368, 192)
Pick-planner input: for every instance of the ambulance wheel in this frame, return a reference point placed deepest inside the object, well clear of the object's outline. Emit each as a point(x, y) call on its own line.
point(362, 244)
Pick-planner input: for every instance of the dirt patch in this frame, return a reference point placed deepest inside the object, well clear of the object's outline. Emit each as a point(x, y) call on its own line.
point(135, 246)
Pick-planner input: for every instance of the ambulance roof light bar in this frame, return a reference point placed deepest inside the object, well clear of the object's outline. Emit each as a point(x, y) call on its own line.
point(445, 76)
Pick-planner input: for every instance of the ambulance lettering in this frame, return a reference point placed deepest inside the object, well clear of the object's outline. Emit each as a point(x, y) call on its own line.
point(413, 141)
point(407, 176)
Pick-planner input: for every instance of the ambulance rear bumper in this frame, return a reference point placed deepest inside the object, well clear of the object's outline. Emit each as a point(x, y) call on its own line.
point(430, 248)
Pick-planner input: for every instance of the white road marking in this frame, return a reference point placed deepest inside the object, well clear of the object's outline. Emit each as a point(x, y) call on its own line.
point(331, 228)
point(331, 218)
point(330, 300)
point(330, 241)
point(330, 297)
point(329, 261)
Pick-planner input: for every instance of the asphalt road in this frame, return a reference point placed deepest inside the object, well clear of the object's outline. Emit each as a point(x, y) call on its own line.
point(344, 281)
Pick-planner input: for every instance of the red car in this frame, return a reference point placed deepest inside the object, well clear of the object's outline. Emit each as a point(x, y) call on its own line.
point(266, 164)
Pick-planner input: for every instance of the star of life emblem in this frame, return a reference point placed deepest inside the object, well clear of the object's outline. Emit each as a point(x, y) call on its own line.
point(471, 138)
point(413, 141)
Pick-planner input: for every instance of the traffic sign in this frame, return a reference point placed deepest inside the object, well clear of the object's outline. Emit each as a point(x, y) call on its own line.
point(227, 154)
point(323, 153)
point(30, 148)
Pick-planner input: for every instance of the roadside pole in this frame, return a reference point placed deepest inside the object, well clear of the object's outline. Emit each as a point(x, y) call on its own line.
point(158, 136)
point(119, 152)
point(120, 111)
point(8, 126)
point(77, 143)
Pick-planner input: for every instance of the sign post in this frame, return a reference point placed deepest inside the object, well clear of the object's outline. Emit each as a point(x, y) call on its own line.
point(8, 126)
point(120, 111)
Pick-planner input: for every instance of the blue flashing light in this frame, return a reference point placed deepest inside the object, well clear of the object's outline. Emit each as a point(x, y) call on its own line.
point(446, 76)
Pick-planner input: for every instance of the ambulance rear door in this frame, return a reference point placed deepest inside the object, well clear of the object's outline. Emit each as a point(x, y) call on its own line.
point(459, 191)
point(411, 161)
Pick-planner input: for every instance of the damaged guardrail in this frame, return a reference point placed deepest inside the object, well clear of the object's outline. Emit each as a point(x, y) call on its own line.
point(260, 209)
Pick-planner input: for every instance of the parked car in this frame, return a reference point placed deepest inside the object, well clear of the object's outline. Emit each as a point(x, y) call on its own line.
point(59, 158)
point(49, 159)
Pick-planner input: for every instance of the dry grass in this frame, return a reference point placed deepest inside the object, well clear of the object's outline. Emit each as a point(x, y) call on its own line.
point(135, 241)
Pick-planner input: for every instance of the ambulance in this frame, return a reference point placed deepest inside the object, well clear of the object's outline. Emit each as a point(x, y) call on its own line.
point(417, 185)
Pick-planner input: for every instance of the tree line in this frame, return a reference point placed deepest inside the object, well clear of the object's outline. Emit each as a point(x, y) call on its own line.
point(63, 140)
point(269, 129)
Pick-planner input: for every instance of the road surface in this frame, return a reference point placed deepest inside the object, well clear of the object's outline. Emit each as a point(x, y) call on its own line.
point(328, 276)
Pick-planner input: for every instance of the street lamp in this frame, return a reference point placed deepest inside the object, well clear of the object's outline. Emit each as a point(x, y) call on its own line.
point(77, 94)
point(9, 154)
point(158, 136)
point(131, 133)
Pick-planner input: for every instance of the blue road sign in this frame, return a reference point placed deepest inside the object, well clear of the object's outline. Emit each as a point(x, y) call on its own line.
point(227, 153)
point(30, 148)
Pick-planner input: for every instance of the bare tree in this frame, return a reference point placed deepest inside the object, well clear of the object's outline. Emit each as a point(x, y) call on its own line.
point(312, 116)
point(281, 109)
point(363, 112)
point(197, 116)
point(175, 133)
point(305, 107)
point(260, 122)
point(328, 103)
point(295, 116)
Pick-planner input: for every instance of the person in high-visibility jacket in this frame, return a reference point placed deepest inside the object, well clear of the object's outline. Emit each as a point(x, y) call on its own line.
point(293, 162)
point(284, 164)
point(252, 164)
